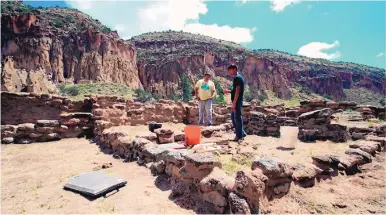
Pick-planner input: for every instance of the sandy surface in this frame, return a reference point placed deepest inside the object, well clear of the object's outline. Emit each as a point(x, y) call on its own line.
point(33, 177)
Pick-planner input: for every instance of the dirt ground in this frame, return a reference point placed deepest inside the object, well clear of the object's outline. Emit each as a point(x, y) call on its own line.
point(33, 177)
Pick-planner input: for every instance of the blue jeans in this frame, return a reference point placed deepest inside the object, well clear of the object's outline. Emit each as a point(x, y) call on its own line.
point(237, 121)
point(205, 108)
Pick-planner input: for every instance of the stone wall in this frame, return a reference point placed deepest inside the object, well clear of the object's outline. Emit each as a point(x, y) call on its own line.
point(18, 108)
point(127, 112)
point(68, 126)
point(316, 125)
point(366, 111)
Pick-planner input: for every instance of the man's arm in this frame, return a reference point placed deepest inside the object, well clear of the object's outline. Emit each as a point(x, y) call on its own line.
point(237, 92)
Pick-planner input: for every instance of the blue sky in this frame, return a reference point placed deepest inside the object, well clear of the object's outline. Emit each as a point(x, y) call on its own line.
point(350, 31)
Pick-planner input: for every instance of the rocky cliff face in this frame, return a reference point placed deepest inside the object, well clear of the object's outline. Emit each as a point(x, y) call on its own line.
point(164, 56)
point(43, 47)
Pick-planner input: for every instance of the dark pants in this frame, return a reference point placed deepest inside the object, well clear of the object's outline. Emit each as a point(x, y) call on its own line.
point(238, 122)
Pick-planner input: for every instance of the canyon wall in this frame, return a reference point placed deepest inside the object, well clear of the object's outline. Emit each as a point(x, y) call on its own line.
point(37, 54)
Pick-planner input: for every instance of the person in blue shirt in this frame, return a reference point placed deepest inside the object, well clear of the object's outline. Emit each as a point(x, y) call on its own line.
point(237, 96)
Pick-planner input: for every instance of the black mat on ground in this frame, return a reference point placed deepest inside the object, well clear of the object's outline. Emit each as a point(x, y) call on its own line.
point(94, 184)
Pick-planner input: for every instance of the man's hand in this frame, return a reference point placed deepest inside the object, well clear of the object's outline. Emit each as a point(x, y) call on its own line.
point(233, 107)
point(226, 91)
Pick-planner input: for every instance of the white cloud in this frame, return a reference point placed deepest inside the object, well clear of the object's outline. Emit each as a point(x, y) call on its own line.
point(81, 4)
point(243, 1)
point(279, 5)
point(238, 35)
point(317, 50)
point(184, 15)
point(119, 27)
point(132, 18)
point(171, 14)
point(381, 54)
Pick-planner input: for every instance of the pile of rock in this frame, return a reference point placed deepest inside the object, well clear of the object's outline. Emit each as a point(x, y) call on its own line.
point(316, 125)
point(263, 125)
point(279, 176)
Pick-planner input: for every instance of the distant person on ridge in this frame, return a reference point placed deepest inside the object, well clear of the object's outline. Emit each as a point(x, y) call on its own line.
point(237, 94)
point(205, 92)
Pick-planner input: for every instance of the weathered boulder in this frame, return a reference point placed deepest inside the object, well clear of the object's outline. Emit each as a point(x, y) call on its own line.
point(202, 160)
point(366, 156)
point(164, 135)
point(218, 181)
point(370, 147)
point(158, 167)
point(7, 140)
point(250, 184)
point(47, 123)
point(305, 174)
point(237, 204)
point(215, 198)
point(272, 167)
point(26, 127)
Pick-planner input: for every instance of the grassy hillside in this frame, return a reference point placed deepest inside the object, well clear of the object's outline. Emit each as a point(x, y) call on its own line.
point(363, 96)
point(79, 91)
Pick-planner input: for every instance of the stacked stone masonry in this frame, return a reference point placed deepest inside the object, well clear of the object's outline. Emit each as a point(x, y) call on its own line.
point(199, 176)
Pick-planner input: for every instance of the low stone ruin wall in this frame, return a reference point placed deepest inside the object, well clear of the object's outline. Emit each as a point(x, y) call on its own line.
point(316, 125)
point(18, 108)
point(121, 112)
point(70, 125)
point(366, 111)
point(198, 178)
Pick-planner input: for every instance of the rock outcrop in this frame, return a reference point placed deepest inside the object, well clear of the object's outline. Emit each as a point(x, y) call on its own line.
point(164, 56)
point(43, 47)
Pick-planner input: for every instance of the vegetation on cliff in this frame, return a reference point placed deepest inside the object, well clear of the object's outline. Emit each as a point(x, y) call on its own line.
point(57, 20)
point(80, 91)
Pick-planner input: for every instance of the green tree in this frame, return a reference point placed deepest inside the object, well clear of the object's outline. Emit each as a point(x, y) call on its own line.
point(382, 101)
point(220, 93)
point(175, 97)
point(186, 87)
point(144, 96)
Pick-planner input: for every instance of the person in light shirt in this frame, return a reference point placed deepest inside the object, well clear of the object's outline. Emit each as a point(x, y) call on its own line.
point(205, 92)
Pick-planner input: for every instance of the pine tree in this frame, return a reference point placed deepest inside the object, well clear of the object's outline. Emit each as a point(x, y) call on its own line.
point(220, 93)
point(186, 87)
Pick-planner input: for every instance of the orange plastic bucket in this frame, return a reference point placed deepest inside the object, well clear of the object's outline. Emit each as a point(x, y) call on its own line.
point(192, 135)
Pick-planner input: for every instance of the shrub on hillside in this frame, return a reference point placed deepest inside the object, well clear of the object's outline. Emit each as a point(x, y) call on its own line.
point(145, 96)
point(382, 101)
point(186, 87)
point(220, 93)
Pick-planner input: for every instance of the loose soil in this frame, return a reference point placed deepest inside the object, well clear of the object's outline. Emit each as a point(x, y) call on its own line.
point(33, 177)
